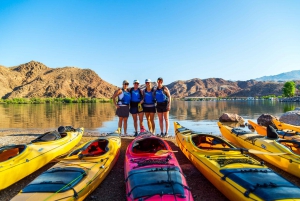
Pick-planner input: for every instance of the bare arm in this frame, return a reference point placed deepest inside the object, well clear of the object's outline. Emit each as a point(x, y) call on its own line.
point(168, 94)
point(117, 92)
point(143, 94)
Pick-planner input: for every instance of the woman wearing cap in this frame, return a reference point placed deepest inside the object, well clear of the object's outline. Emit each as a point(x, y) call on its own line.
point(149, 105)
point(163, 104)
point(136, 99)
point(122, 105)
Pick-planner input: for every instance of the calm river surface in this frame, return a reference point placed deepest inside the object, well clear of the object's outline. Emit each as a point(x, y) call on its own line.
point(196, 115)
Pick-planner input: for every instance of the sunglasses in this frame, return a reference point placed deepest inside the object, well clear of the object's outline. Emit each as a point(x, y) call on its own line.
point(136, 83)
point(147, 82)
point(126, 84)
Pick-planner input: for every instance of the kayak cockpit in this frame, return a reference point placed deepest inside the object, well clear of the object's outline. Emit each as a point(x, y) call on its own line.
point(209, 142)
point(11, 151)
point(95, 148)
point(148, 145)
point(294, 146)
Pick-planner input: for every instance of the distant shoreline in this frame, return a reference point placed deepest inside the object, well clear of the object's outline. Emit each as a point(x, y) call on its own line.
point(53, 100)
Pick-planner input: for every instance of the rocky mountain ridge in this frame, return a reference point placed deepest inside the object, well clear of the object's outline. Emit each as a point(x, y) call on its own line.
point(218, 87)
point(34, 79)
point(287, 76)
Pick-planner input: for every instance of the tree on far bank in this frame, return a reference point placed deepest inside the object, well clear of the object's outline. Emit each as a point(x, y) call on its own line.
point(289, 89)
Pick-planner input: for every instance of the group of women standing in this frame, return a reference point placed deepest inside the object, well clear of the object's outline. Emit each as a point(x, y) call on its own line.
point(138, 102)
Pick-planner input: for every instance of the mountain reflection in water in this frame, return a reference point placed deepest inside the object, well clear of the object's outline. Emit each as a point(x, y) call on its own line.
point(200, 116)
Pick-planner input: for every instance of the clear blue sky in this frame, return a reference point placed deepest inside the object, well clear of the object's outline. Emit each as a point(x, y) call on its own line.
point(177, 40)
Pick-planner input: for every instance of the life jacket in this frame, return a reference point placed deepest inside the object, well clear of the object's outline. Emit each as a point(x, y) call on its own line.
point(136, 95)
point(126, 97)
point(160, 95)
point(149, 97)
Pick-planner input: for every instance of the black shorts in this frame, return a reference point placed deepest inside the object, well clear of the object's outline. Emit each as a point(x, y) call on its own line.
point(162, 107)
point(123, 111)
point(134, 110)
point(149, 109)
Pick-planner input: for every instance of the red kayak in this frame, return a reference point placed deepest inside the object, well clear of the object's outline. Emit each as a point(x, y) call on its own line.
point(152, 171)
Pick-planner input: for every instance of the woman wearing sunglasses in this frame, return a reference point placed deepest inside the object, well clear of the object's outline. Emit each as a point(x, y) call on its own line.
point(163, 105)
point(121, 99)
point(136, 99)
point(149, 106)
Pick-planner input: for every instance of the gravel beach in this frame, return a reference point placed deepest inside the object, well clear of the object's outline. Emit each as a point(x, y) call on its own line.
point(113, 187)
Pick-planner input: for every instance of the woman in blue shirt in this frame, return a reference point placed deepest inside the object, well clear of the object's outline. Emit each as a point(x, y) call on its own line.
point(136, 99)
point(163, 105)
point(149, 105)
point(122, 104)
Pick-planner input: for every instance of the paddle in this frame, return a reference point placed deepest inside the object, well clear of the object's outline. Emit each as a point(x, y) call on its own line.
point(252, 151)
point(162, 152)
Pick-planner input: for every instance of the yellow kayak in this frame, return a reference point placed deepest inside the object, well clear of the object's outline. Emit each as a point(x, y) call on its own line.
point(77, 175)
point(236, 175)
point(18, 161)
point(284, 126)
point(284, 134)
point(289, 161)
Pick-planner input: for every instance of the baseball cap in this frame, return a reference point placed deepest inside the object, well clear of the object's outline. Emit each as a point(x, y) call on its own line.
point(147, 80)
point(136, 81)
point(160, 78)
point(125, 82)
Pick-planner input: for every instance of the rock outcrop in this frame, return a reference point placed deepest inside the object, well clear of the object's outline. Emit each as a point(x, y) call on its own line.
point(266, 120)
point(291, 117)
point(229, 117)
point(34, 79)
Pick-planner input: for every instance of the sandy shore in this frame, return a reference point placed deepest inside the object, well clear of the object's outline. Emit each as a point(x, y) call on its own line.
point(113, 187)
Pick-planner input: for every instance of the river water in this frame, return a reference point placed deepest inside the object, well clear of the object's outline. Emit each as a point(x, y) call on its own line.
point(200, 116)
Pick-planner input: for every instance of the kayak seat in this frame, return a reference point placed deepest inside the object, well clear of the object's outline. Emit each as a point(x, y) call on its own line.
point(294, 146)
point(96, 148)
point(9, 152)
point(49, 136)
point(208, 142)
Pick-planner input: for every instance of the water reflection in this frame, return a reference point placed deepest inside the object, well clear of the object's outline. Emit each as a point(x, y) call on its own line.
point(88, 115)
point(203, 115)
point(212, 110)
point(196, 115)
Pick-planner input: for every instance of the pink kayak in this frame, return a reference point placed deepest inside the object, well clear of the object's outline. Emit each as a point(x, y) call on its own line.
point(152, 172)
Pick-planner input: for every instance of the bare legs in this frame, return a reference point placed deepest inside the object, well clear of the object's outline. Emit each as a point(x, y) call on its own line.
point(163, 116)
point(150, 121)
point(141, 116)
point(121, 119)
point(166, 117)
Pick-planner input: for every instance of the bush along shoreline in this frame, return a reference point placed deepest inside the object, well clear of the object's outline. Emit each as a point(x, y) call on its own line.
point(54, 100)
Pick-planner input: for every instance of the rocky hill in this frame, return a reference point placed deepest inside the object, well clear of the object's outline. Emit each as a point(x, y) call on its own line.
point(34, 79)
point(217, 87)
point(287, 76)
